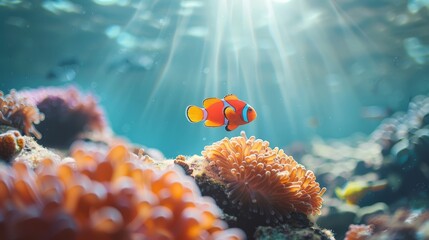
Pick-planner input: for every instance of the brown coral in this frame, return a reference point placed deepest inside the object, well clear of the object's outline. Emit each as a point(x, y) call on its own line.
point(263, 179)
point(11, 143)
point(358, 232)
point(104, 196)
point(181, 161)
point(18, 112)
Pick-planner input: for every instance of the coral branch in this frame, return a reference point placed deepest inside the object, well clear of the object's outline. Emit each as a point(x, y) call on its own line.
point(11, 143)
point(17, 112)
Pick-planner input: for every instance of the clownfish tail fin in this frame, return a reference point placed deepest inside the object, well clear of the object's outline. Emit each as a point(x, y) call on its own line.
point(195, 114)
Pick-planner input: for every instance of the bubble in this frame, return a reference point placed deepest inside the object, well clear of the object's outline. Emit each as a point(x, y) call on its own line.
point(126, 40)
point(113, 31)
point(198, 32)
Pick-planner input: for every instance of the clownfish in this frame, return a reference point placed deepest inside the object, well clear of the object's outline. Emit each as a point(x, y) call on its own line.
point(230, 112)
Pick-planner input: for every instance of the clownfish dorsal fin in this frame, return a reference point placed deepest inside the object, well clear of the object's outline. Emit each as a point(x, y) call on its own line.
point(229, 113)
point(210, 101)
point(230, 97)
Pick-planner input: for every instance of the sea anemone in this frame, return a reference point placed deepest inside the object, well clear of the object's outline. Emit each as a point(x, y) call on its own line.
point(262, 179)
point(68, 113)
point(358, 232)
point(19, 113)
point(100, 195)
point(11, 144)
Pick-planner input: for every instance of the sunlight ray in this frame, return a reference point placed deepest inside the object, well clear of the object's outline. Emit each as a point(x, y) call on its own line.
point(162, 79)
point(283, 71)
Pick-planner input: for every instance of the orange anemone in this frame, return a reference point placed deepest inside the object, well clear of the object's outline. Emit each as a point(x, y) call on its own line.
point(98, 195)
point(262, 179)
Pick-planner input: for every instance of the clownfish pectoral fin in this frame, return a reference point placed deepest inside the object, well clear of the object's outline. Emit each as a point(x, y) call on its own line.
point(230, 97)
point(210, 101)
point(195, 114)
point(209, 123)
point(230, 127)
point(229, 113)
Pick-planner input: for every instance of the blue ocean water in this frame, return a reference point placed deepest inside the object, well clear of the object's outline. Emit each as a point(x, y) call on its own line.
point(328, 69)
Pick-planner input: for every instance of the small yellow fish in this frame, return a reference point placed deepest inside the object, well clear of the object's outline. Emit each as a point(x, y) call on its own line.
point(356, 190)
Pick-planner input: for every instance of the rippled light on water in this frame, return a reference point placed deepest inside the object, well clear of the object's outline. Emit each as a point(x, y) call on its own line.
point(112, 2)
point(59, 6)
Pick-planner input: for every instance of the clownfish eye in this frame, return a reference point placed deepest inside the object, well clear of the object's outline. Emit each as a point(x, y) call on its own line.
point(250, 109)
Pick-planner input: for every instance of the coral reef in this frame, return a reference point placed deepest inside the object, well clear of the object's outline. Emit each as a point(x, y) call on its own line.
point(19, 113)
point(263, 180)
point(403, 125)
point(403, 224)
point(397, 151)
point(292, 233)
point(358, 232)
point(110, 188)
point(11, 144)
point(338, 216)
point(404, 140)
point(99, 195)
point(68, 113)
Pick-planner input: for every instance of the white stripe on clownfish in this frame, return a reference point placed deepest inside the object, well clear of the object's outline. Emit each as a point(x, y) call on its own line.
point(244, 113)
point(205, 114)
point(225, 105)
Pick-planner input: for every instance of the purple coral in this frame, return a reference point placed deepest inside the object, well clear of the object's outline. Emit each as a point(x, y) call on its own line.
point(68, 113)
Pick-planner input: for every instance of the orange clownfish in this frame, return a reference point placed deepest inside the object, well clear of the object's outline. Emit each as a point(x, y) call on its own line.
point(230, 112)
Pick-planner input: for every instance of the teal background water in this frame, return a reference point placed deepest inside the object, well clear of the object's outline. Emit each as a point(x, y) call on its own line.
point(308, 67)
